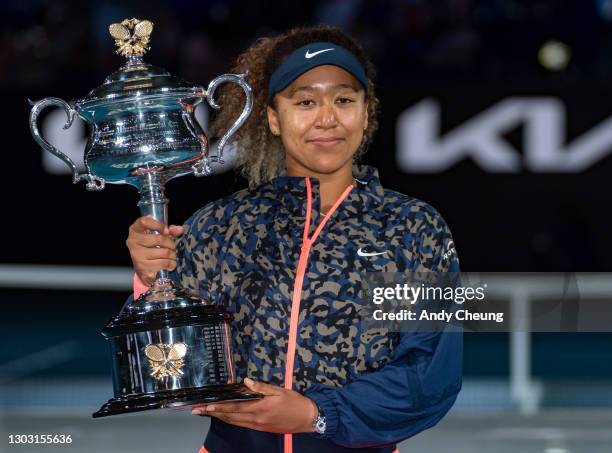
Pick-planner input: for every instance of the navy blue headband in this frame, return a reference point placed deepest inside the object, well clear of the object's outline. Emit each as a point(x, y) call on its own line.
point(310, 56)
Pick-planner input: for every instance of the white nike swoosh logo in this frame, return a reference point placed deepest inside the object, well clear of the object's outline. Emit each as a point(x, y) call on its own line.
point(360, 252)
point(314, 54)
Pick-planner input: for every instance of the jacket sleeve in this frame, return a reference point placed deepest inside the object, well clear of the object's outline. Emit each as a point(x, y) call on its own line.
point(420, 383)
point(197, 251)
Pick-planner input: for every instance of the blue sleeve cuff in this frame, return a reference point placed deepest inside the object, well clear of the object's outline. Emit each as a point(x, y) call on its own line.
point(327, 406)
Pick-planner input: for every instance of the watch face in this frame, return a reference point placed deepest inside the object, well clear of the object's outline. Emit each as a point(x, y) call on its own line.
point(320, 425)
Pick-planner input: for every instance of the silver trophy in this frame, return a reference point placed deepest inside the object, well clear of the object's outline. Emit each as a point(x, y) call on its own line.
point(169, 347)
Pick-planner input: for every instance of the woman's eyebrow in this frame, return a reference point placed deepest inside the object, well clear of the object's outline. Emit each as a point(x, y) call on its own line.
point(310, 88)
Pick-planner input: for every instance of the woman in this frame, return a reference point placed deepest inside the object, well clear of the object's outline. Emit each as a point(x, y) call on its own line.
point(286, 256)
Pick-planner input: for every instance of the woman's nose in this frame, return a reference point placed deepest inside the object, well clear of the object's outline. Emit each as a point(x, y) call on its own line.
point(327, 116)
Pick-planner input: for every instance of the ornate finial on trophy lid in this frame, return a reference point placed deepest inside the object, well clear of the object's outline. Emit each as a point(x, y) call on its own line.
point(131, 36)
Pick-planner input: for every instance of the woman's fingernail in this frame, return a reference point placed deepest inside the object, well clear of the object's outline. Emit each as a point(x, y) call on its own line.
point(210, 408)
point(196, 412)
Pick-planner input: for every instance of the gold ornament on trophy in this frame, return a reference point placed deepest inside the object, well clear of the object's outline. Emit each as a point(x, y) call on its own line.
point(131, 36)
point(166, 359)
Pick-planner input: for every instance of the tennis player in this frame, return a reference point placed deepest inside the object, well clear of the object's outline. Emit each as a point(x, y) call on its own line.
point(286, 256)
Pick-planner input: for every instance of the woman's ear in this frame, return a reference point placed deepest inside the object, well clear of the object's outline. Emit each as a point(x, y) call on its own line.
point(365, 122)
point(273, 122)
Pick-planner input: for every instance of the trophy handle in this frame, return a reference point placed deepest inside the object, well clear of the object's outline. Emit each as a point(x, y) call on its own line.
point(201, 167)
point(93, 182)
point(248, 106)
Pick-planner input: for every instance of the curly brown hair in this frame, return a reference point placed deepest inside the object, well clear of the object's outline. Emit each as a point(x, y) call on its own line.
point(260, 154)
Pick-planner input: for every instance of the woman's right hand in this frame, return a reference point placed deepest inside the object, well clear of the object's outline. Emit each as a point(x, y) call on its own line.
point(152, 252)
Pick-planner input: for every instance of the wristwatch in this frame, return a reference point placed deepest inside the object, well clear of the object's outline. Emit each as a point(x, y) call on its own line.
point(319, 424)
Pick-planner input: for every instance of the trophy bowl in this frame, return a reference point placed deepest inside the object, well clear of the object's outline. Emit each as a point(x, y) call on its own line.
point(169, 347)
point(141, 120)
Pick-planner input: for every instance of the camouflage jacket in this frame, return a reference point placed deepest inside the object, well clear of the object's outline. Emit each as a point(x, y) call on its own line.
point(375, 387)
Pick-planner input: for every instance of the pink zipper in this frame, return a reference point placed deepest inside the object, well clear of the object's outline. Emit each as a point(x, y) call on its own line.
point(297, 291)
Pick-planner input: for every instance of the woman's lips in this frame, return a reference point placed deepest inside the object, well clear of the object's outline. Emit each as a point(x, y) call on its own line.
point(325, 142)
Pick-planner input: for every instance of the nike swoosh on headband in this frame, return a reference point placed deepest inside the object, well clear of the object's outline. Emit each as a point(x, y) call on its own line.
point(360, 252)
point(314, 54)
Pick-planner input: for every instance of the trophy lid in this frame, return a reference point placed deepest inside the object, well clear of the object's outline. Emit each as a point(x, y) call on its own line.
point(136, 78)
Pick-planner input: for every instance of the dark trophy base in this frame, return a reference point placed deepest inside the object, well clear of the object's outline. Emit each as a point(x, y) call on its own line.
point(176, 399)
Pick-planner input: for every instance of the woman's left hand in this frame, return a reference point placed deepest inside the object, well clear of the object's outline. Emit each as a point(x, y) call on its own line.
point(279, 411)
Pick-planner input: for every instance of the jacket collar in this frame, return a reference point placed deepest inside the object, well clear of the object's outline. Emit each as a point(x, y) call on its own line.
point(369, 188)
point(290, 192)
